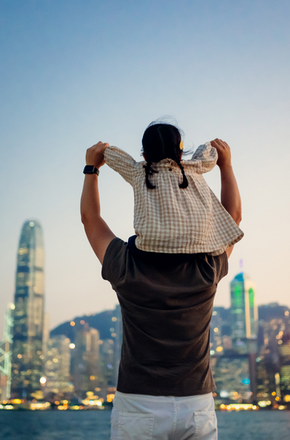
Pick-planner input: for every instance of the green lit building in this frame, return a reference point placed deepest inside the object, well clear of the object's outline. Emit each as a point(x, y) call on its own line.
point(27, 353)
point(244, 313)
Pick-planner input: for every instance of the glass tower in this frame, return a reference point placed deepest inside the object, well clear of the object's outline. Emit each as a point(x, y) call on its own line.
point(27, 356)
point(244, 313)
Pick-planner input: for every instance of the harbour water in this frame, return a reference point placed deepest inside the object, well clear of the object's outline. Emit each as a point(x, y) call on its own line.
point(95, 425)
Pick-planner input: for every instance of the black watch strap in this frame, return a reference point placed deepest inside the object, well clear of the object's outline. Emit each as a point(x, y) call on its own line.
point(90, 169)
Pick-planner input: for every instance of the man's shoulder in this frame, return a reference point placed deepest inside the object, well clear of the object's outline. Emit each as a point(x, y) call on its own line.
point(114, 257)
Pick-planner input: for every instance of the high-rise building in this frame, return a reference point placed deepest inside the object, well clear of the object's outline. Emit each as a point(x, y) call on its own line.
point(118, 335)
point(232, 376)
point(57, 365)
point(5, 354)
point(85, 360)
point(244, 313)
point(27, 355)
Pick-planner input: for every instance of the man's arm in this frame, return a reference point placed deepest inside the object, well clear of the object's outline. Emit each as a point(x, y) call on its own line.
point(230, 195)
point(98, 232)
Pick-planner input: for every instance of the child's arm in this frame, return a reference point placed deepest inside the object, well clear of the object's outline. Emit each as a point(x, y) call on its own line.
point(121, 162)
point(204, 158)
point(98, 232)
point(230, 195)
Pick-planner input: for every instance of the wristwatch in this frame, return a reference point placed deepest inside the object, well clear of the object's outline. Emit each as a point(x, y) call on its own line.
point(90, 169)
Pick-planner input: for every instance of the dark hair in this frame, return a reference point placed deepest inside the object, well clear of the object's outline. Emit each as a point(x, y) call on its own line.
point(161, 141)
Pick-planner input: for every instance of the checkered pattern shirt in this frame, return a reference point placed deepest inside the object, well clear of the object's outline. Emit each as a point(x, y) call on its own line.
point(174, 220)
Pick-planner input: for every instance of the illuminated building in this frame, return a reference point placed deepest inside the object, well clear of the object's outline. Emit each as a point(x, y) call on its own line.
point(107, 360)
point(85, 360)
point(244, 313)
point(284, 350)
point(57, 365)
point(220, 331)
point(118, 335)
point(5, 354)
point(232, 377)
point(27, 356)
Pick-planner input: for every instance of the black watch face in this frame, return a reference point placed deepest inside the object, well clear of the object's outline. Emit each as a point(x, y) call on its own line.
point(89, 169)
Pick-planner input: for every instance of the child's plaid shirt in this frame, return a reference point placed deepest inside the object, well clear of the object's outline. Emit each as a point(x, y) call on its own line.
point(173, 220)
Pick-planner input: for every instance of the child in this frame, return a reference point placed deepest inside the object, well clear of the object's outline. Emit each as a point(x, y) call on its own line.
point(175, 211)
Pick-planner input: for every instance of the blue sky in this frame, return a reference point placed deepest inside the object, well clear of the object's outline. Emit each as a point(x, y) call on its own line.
point(76, 72)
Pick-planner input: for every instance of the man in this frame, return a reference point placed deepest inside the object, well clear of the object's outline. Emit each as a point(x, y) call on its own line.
point(165, 384)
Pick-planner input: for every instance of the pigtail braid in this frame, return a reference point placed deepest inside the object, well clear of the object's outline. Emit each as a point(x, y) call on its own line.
point(148, 172)
point(184, 183)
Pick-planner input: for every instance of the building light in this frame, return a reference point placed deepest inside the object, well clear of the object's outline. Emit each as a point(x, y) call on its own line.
point(42, 380)
point(216, 329)
point(72, 346)
point(114, 319)
point(219, 349)
point(72, 323)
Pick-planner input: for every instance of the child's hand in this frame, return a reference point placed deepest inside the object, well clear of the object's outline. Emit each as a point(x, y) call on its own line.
point(95, 154)
point(224, 153)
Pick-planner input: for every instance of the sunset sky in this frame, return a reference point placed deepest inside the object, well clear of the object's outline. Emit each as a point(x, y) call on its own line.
point(75, 72)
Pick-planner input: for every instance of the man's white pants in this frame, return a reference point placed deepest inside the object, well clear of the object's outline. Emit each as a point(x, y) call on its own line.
point(142, 417)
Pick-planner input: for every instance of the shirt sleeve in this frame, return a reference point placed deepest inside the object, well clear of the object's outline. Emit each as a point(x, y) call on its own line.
point(114, 263)
point(121, 162)
point(204, 158)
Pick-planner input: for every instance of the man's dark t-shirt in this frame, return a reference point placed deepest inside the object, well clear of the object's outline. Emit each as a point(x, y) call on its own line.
point(166, 303)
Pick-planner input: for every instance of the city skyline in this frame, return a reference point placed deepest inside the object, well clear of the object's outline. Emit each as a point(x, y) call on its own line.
point(75, 73)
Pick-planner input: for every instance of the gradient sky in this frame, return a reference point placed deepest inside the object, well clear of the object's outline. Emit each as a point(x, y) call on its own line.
point(76, 72)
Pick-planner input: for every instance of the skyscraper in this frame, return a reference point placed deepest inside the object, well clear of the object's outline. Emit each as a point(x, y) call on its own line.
point(27, 356)
point(85, 360)
point(244, 312)
point(57, 365)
